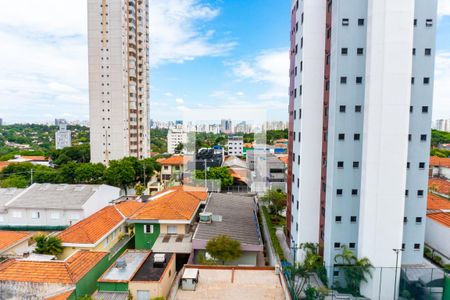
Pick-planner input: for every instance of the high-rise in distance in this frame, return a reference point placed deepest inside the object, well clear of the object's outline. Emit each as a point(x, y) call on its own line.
point(361, 89)
point(118, 48)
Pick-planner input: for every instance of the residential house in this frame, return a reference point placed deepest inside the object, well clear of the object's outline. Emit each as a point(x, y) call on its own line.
point(71, 278)
point(239, 171)
point(34, 159)
point(52, 206)
point(236, 217)
point(105, 230)
point(437, 233)
point(166, 222)
point(172, 168)
point(226, 282)
point(439, 187)
point(14, 243)
point(139, 273)
point(440, 167)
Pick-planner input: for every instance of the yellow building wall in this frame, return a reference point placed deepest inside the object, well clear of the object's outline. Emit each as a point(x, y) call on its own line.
point(181, 228)
point(157, 289)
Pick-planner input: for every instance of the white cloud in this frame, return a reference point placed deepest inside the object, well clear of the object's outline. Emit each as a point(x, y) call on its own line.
point(179, 100)
point(168, 94)
point(442, 87)
point(175, 36)
point(443, 8)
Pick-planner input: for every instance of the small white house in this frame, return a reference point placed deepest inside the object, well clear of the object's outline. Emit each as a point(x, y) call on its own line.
point(54, 205)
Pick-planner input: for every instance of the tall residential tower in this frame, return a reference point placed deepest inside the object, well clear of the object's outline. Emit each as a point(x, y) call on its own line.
point(361, 93)
point(118, 43)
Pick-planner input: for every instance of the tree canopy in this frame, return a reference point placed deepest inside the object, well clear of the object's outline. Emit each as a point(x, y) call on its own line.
point(224, 249)
point(219, 173)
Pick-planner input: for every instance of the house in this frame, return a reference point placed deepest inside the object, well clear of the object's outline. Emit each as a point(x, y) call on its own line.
point(166, 222)
point(239, 171)
point(437, 233)
point(105, 230)
point(52, 206)
point(270, 173)
point(439, 187)
point(34, 159)
point(71, 278)
point(236, 217)
point(139, 273)
point(440, 167)
point(172, 168)
point(226, 282)
point(14, 243)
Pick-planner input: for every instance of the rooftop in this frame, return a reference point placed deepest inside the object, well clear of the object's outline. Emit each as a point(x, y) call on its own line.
point(440, 186)
point(234, 283)
point(56, 196)
point(234, 162)
point(434, 202)
point(133, 259)
point(69, 271)
point(239, 219)
point(4, 164)
point(441, 217)
point(174, 160)
point(150, 271)
point(284, 159)
point(8, 194)
point(440, 161)
point(178, 243)
point(178, 203)
point(9, 239)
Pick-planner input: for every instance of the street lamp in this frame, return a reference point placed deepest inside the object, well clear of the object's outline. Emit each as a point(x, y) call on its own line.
point(397, 251)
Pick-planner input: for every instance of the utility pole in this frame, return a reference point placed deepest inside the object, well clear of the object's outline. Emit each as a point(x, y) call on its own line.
point(205, 172)
point(31, 176)
point(397, 251)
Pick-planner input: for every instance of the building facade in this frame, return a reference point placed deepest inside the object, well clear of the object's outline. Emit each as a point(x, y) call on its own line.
point(236, 145)
point(118, 79)
point(63, 137)
point(359, 123)
point(176, 136)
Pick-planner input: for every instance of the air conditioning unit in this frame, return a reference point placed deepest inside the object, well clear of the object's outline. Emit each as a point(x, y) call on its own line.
point(205, 217)
point(121, 264)
point(160, 258)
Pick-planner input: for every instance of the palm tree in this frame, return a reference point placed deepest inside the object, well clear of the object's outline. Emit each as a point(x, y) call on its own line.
point(48, 245)
point(347, 256)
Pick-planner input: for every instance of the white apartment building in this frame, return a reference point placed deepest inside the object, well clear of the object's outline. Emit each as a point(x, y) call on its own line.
point(361, 93)
point(175, 136)
point(235, 145)
point(442, 125)
point(63, 137)
point(118, 48)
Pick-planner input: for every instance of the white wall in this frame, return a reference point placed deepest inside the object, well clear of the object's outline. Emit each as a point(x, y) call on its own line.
point(101, 198)
point(437, 236)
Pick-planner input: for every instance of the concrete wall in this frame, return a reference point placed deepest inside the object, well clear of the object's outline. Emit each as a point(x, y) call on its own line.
point(437, 236)
point(17, 250)
point(10, 290)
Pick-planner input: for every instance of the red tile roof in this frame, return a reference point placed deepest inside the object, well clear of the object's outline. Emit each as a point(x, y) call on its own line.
point(34, 157)
point(69, 271)
point(179, 203)
point(4, 164)
point(128, 208)
point(174, 160)
point(62, 296)
point(440, 186)
point(442, 217)
point(10, 238)
point(440, 161)
point(94, 228)
point(284, 159)
point(434, 202)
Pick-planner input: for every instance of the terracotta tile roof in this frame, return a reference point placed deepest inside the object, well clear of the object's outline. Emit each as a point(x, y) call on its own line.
point(4, 164)
point(284, 159)
point(442, 217)
point(179, 203)
point(440, 186)
point(440, 161)
point(240, 174)
point(434, 202)
point(93, 228)
point(34, 157)
point(248, 145)
point(69, 271)
point(10, 238)
point(128, 208)
point(174, 160)
point(62, 296)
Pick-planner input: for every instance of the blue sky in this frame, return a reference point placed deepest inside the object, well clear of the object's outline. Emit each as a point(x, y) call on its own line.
point(204, 54)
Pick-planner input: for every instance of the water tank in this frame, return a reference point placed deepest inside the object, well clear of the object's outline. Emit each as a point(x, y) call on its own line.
point(205, 217)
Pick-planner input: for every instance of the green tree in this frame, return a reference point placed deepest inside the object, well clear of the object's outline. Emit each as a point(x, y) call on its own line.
point(14, 181)
point(139, 188)
point(46, 244)
point(120, 173)
point(276, 199)
point(224, 249)
point(219, 173)
point(179, 148)
point(89, 173)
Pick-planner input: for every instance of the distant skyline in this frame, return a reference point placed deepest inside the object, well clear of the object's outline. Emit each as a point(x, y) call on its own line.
point(204, 54)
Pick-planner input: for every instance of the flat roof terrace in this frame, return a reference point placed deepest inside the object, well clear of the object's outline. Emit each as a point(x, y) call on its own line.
point(133, 261)
point(150, 271)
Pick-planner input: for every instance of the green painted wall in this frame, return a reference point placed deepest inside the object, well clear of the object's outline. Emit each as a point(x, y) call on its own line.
point(88, 284)
point(113, 286)
point(446, 295)
point(145, 240)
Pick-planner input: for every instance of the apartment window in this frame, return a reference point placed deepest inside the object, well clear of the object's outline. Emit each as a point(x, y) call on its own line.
point(427, 51)
point(296, 226)
point(341, 136)
point(352, 245)
point(335, 273)
point(355, 164)
point(342, 108)
point(292, 198)
point(424, 109)
point(300, 113)
point(345, 22)
point(405, 219)
point(358, 80)
point(426, 80)
point(412, 80)
point(354, 192)
point(337, 245)
point(343, 79)
point(301, 66)
point(339, 192)
point(360, 22)
point(416, 246)
point(360, 51)
point(358, 108)
point(421, 165)
point(408, 164)
point(419, 220)
point(54, 215)
point(340, 164)
point(344, 51)
point(415, 22)
point(356, 136)
point(429, 23)
point(406, 193)
point(409, 137)
point(301, 42)
point(338, 219)
point(420, 193)
point(423, 137)
point(353, 219)
point(300, 90)
point(148, 228)
point(403, 246)
point(35, 215)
